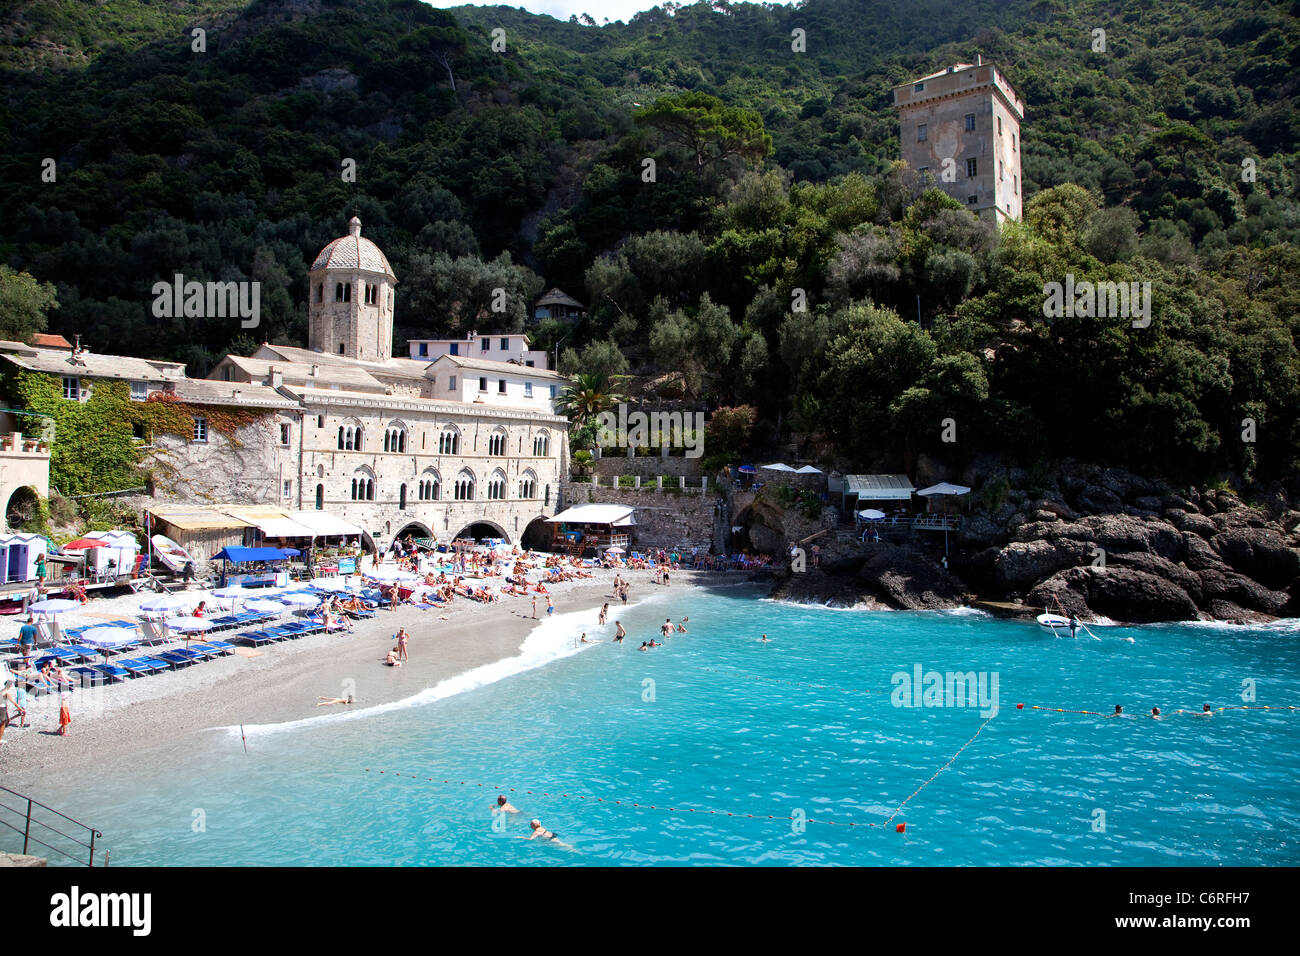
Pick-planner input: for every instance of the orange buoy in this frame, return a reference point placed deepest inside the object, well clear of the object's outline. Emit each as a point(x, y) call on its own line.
point(901, 828)
point(1020, 706)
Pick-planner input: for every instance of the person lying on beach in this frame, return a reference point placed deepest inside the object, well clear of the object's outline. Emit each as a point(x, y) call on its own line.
point(327, 701)
point(504, 806)
point(392, 660)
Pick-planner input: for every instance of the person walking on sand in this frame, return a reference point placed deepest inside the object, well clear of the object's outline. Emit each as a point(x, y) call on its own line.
point(27, 636)
point(534, 607)
point(402, 638)
point(8, 703)
point(65, 713)
point(619, 633)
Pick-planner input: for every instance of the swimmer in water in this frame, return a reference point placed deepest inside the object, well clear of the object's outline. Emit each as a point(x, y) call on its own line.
point(584, 638)
point(681, 628)
point(666, 628)
point(644, 646)
point(764, 640)
point(620, 633)
point(1205, 711)
point(504, 806)
point(541, 833)
point(1119, 711)
point(1155, 713)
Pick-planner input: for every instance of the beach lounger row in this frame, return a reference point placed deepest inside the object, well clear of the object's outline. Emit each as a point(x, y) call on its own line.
point(127, 668)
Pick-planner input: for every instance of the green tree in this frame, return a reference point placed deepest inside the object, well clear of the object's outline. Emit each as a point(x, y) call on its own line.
point(24, 304)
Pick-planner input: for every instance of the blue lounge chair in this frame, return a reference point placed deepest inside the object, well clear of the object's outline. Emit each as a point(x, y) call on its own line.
point(253, 638)
point(175, 658)
point(138, 667)
point(113, 672)
point(90, 677)
point(221, 647)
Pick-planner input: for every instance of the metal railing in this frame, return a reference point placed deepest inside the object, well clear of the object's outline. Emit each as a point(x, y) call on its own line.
point(11, 816)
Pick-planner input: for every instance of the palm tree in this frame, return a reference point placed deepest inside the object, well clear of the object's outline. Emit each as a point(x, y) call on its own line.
point(590, 394)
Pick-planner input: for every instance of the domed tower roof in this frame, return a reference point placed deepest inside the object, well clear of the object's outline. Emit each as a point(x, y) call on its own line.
point(353, 252)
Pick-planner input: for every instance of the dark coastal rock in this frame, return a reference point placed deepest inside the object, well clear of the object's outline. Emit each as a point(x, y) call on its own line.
point(1113, 533)
point(1191, 521)
point(1160, 567)
point(1259, 553)
point(1223, 610)
point(1200, 556)
point(818, 587)
point(1243, 591)
point(1124, 594)
point(907, 580)
point(1239, 518)
point(1022, 563)
point(1095, 499)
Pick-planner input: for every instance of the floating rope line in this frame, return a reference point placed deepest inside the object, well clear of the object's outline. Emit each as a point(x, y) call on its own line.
point(1212, 710)
point(900, 828)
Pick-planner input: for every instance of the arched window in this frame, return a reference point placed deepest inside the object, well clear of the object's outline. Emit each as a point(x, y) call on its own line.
point(528, 484)
point(429, 485)
point(496, 487)
point(363, 485)
point(463, 490)
point(402, 502)
point(542, 445)
point(449, 441)
point(497, 442)
point(395, 437)
point(320, 292)
point(320, 497)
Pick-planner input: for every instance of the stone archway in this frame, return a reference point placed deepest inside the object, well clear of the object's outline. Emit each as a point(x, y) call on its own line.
point(538, 535)
point(23, 505)
point(416, 529)
point(482, 528)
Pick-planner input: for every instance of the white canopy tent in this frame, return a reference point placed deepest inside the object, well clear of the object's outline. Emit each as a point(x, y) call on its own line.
point(617, 515)
point(778, 466)
point(808, 470)
point(944, 489)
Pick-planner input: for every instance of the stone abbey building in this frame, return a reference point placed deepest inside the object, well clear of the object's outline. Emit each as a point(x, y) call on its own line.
point(464, 443)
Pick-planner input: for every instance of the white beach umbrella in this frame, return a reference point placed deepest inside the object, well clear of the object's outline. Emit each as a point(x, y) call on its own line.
point(614, 550)
point(53, 606)
point(300, 599)
point(188, 626)
point(329, 584)
point(233, 592)
point(165, 602)
point(266, 607)
point(871, 514)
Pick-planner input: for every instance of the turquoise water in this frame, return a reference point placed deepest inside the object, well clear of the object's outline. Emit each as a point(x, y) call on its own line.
point(731, 724)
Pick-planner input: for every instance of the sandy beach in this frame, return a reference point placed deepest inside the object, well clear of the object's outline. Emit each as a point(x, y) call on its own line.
point(118, 725)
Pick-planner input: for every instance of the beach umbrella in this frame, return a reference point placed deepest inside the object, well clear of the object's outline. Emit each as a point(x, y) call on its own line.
point(53, 606)
point(747, 470)
point(872, 514)
point(300, 599)
point(165, 602)
point(266, 607)
point(944, 488)
point(234, 591)
point(83, 544)
point(188, 626)
point(614, 550)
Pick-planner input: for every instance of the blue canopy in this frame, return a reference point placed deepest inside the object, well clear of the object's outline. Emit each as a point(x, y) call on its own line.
point(256, 554)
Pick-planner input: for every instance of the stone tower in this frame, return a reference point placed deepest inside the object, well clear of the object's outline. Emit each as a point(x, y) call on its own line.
point(960, 129)
point(350, 299)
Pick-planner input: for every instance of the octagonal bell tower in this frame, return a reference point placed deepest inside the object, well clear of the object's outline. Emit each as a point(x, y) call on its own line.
point(350, 299)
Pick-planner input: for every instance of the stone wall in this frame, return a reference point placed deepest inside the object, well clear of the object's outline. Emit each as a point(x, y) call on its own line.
point(663, 519)
point(614, 462)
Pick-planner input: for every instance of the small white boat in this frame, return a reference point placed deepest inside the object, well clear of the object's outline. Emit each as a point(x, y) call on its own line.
point(171, 554)
point(1053, 621)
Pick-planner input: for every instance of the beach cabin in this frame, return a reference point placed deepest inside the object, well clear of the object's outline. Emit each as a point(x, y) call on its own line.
point(117, 557)
point(888, 493)
point(200, 530)
point(18, 556)
point(585, 527)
